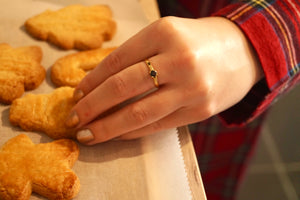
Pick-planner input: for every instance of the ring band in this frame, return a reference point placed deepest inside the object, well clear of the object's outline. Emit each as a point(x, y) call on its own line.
point(152, 73)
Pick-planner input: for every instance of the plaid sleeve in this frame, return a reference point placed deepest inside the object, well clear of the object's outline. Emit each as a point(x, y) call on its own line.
point(273, 28)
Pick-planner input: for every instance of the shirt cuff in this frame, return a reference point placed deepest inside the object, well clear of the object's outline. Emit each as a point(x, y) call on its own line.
point(268, 32)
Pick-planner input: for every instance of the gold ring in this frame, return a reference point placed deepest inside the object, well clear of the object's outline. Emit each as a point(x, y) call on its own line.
point(152, 73)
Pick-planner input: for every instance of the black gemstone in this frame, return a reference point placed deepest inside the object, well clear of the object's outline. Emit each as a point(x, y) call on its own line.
point(153, 73)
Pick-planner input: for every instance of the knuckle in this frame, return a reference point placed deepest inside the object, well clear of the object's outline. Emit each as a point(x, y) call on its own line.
point(102, 130)
point(118, 85)
point(186, 65)
point(84, 110)
point(105, 133)
point(167, 22)
point(113, 62)
point(188, 61)
point(157, 126)
point(165, 27)
point(187, 92)
point(204, 87)
point(86, 84)
point(207, 111)
point(138, 114)
point(196, 89)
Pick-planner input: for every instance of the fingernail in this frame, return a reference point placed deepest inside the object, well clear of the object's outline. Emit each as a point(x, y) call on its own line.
point(84, 136)
point(72, 120)
point(77, 95)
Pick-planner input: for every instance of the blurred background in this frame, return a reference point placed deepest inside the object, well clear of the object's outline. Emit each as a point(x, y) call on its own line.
point(274, 172)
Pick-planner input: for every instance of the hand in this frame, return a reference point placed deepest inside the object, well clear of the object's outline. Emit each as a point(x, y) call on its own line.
point(204, 66)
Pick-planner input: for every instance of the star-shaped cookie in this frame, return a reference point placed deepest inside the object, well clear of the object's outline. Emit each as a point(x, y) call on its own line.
point(42, 168)
point(20, 70)
point(74, 26)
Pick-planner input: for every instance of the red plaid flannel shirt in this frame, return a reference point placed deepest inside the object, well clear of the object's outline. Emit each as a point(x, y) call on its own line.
point(224, 143)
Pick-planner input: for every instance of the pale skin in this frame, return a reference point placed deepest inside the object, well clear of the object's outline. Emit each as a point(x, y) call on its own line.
point(204, 66)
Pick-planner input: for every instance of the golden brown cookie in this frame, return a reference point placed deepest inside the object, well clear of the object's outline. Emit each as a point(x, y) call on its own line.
point(44, 112)
point(70, 70)
point(20, 70)
point(42, 168)
point(74, 26)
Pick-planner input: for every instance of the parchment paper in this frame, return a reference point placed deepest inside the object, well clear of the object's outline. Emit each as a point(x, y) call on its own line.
point(147, 168)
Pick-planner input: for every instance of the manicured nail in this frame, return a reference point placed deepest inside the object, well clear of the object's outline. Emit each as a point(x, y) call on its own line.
point(84, 136)
point(72, 119)
point(77, 95)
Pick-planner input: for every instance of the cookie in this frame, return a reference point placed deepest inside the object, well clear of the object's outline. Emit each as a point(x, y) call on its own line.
point(44, 112)
point(75, 26)
point(20, 70)
point(43, 168)
point(70, 70)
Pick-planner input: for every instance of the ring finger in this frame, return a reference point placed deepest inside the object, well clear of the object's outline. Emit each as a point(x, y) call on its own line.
point(130, 82)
